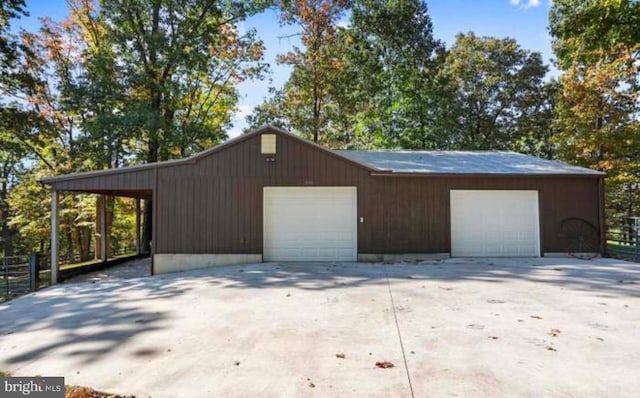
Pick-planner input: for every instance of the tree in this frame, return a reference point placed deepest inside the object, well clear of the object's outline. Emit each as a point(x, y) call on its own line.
point(491, 84)
point(9, 46)
point(182, 60)
point(590, 32)
point(10, 117)
point(270, 112)
point(122, 82)
point(393, 60)
point(598, 112)
point(306, 104)
point(53, 140)
point(534, 129)
point(370, 84)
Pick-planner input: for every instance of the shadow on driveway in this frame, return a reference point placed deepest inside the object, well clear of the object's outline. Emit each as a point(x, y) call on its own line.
point(598, 275)
point(111, 313)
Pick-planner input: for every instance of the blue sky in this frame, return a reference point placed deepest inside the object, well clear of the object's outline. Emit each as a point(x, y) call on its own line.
point(524, 20)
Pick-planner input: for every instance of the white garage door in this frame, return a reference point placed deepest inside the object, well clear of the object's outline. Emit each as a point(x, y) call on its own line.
point(310, 224)
point(494, 223)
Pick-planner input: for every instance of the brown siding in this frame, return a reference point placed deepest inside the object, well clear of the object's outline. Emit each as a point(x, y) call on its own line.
point(132, 183)
point(412, 215)
point(215, 205)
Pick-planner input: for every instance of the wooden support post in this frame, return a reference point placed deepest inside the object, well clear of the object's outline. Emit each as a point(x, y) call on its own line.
point(138, 243)
point(55, 196)
point(34, 272)
point(103, 228)
point(602, 216)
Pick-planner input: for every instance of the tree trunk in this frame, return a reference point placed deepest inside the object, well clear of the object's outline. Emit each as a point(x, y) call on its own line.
point(6, 232)
point(70, 248)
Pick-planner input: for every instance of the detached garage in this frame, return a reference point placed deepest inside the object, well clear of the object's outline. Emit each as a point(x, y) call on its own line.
point(272, 196)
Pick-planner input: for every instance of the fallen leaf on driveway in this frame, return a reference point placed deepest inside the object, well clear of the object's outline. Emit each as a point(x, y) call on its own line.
point(312, 385)
point(384, 365)
point(494, 337)
point(340, 355)
point(549, 348)
point(536, 317)
point(554, 332)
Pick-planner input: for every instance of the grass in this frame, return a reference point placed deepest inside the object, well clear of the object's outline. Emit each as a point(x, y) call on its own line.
point(622, 250)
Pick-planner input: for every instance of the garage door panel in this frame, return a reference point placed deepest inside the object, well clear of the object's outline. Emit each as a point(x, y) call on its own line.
point(494, 223)
point(310, 224)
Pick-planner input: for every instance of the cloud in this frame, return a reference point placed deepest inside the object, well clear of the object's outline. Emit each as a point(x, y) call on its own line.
point(525, 3)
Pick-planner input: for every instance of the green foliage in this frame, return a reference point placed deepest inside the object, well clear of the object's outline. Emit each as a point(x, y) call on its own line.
point(385, 81)
point(597, 116)
point(11, 117)
point(181, 61)
point(147, 80)
point(586, 32)
point(393, 60)
point(491, 83)
point(308, 102)
point(9, 47)
point(117, 83)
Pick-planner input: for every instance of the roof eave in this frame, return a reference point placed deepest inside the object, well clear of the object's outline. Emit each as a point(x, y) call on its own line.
point(197, 156)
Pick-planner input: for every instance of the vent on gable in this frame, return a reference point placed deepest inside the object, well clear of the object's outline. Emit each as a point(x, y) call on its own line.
point(268, 144)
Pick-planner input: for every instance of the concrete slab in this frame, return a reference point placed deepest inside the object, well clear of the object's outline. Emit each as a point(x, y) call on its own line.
point(130, 269)
point(275, 330)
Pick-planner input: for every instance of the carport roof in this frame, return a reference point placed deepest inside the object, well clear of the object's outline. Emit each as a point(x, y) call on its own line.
point(462, 162)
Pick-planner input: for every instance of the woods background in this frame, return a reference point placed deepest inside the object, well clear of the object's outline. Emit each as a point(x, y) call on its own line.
point(122, 82)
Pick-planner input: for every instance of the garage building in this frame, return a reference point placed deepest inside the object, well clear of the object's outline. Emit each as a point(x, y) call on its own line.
point(272, 196)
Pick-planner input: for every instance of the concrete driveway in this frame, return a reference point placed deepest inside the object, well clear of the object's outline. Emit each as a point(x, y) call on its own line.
point(468, 328)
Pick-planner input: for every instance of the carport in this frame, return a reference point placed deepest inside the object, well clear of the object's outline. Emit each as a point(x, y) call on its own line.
point(136, 184)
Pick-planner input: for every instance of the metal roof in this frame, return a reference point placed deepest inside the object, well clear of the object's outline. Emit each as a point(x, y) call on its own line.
point(462, 162)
